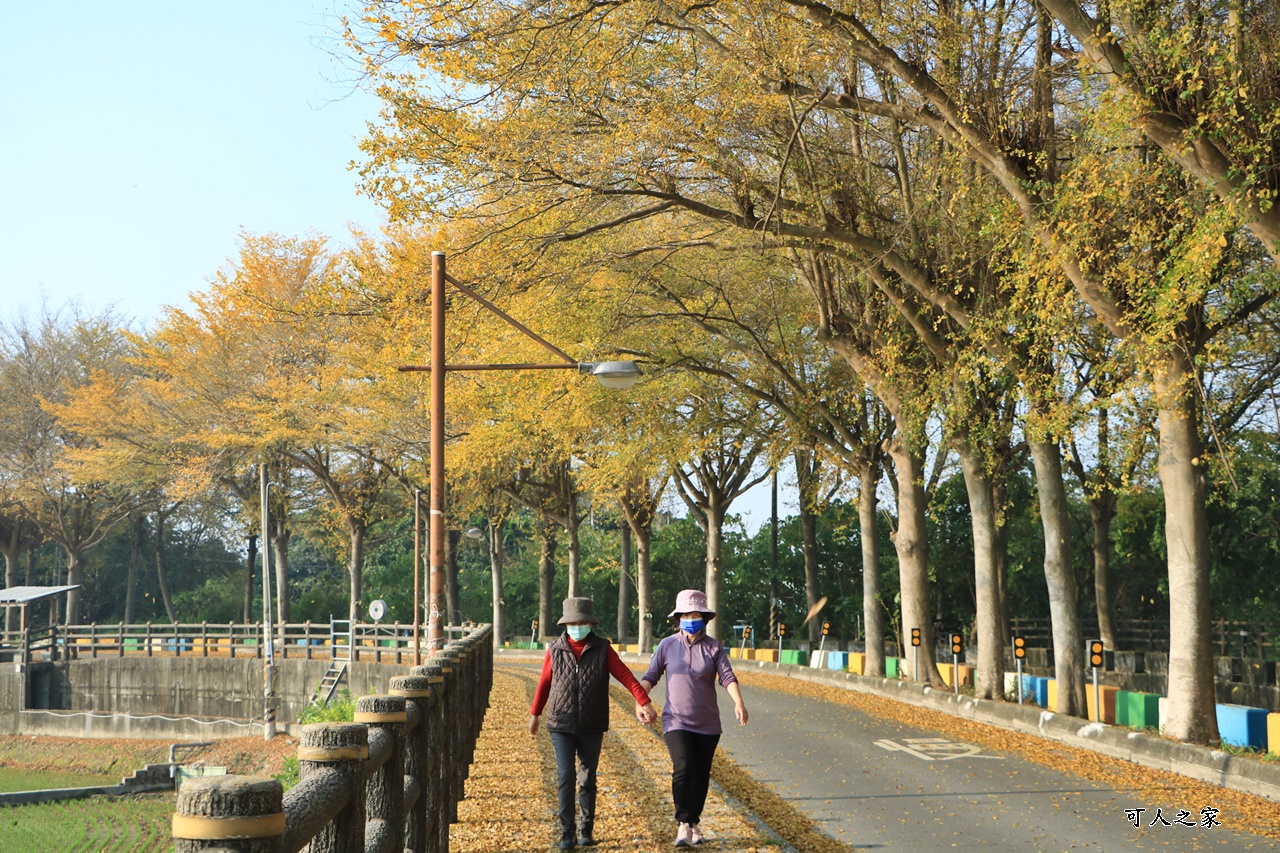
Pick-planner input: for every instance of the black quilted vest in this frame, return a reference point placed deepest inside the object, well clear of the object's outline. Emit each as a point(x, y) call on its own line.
point(579, 700)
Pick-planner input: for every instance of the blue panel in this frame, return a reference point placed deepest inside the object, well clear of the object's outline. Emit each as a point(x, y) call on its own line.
point(1240, 725)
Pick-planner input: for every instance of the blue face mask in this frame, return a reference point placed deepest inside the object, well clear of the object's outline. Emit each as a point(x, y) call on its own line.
point(578, 632)
point(693, 626)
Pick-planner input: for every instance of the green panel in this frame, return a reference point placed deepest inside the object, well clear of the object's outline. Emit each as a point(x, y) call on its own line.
point(1144, 710)
point(1122, 707)
point(891, 668)
point(791, 656)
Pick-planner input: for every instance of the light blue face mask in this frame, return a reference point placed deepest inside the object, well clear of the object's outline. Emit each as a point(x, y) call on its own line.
point(693, 626)
point(578, 632)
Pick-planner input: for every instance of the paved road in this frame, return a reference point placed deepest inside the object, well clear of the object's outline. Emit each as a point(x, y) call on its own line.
point(879, 785)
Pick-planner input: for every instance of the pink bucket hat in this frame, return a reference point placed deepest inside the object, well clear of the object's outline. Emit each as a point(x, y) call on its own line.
point(690, 600)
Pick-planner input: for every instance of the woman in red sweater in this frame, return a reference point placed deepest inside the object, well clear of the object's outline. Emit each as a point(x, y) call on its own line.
point(574, 691)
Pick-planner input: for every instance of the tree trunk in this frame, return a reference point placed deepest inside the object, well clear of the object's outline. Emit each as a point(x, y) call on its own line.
point(10, 581)
point(872, 613)
point(162, 570)
point(454, 616)
point(496, 556)
point(809, 547)
point(624, 584)
point(1192, 716)
point(31, 566)
point(912, 546)
point(715, 576)
point(1060, 578)
point(989, 682)
point(74, 571)
point(355, 567)
point(1000, 499)
point(546, 579)
point(250, 564)
point(1102, 509)
point(574, 548)
point(136, 531)
point(644, 588)
point(280, 536)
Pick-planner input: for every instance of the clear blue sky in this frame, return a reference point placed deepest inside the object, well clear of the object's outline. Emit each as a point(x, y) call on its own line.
point(138, 138)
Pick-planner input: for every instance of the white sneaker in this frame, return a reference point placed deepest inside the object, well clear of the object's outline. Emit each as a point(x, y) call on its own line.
point(695, 834)
point(682, 836)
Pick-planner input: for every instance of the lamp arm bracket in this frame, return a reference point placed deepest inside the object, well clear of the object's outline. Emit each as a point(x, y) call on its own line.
point(525, 330)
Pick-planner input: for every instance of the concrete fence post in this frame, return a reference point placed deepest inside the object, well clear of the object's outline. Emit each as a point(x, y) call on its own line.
point(337, 751)
point(437, 830)
point(385, 716)
point(447, 660)
point(416, 690)
point(229, 813)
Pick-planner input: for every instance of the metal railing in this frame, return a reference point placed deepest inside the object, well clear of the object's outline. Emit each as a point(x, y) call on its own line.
point(390, 781)
point(371, 642)
point(1259, 641)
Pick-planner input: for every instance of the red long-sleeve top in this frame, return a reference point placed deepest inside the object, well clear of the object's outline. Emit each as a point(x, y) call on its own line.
point(617, 669)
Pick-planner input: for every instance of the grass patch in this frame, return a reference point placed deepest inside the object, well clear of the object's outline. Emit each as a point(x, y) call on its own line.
point(1250, 752)
point(340, 709)
point(124, 825)
point(17, 779)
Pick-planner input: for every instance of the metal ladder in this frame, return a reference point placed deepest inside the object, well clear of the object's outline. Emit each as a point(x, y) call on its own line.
point(339, 656)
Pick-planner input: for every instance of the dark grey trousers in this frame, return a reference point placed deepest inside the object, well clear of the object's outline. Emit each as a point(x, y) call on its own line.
point(577, 757)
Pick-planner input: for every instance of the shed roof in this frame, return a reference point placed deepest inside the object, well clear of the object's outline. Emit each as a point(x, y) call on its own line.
point(28, 594)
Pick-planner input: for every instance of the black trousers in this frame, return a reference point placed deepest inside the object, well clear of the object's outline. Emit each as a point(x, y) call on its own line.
point(580, 753)
point(691, 755)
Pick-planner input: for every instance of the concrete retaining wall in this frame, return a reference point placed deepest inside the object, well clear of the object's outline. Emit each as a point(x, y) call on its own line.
point(171, 697)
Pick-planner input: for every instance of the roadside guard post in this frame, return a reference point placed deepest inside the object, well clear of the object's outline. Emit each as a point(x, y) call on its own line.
point(746, 635)
point(915, 650)
point(957, 646)
point(826, 629)
point(1019, 652)
point(782, 632)
point(1095, 661)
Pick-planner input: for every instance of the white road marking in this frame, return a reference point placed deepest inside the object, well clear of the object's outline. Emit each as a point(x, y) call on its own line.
point(935, 749)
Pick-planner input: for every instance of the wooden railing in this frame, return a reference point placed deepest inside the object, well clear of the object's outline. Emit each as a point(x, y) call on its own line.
point(379, 643)
point(390, 781)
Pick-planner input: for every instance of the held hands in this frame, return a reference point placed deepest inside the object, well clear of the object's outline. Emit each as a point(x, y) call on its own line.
point(645, 713)
point(533, 724)
point(740, 711)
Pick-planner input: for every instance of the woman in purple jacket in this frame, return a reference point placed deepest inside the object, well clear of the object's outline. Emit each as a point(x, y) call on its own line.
point(693, 663)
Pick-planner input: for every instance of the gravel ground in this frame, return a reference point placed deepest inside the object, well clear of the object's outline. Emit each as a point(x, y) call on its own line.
point(247, 756)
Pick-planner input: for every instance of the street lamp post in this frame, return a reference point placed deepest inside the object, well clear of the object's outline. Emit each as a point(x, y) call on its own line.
point(268, 648)
point(417, 577)
point(610, 374)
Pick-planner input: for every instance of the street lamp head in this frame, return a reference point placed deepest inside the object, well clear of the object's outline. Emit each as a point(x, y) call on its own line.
point(615, 375)
point(474, 533)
